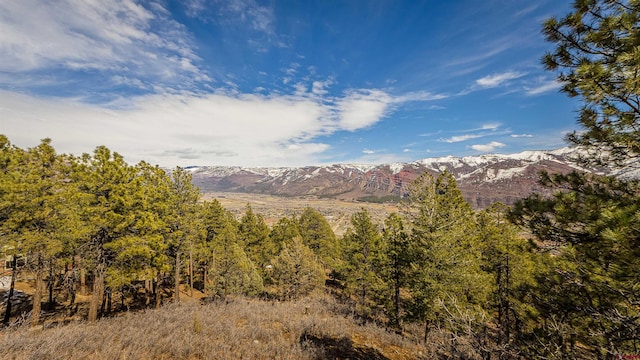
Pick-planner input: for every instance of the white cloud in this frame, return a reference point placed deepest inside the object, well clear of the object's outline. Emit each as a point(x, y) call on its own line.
point(488, 147)
point(521, 135)
point(368, 151)
point(319, 87)
point(419, 96)
point(226, 128)
point(111, 35)
point(362, 108)
point(491, 126)
point(495, 80)
point(460, 138)
point(543, 86)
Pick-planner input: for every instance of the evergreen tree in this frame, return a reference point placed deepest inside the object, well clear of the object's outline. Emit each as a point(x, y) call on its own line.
point(296, 270)
point(319, 237)
point(590, 296)
point(397, 268)
point(140, 253)
point(214, 220)
point(597, 59)
point(104, 180)
point(233, 272)
point(254, 237)
point(588, 300)
point(9, 161)
point(39, 221)
point(283, 231)
point(448, 285)
point(182, 221)
point(363, 260)
point(509, 258)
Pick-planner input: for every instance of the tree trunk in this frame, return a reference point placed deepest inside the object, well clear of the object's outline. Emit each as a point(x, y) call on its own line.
point(37, 298)
point(51, 283)
point(96, 296)
point(108, 293)
point(83, 281)
point(427, 328)
point(204, 278)
point(157, 291)
point(176, 294)
point(147, 292)
point(190, 272)
point(14, 270)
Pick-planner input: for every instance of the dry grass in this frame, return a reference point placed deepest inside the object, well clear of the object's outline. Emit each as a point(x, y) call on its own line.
point(337, 212)
point(316, 327)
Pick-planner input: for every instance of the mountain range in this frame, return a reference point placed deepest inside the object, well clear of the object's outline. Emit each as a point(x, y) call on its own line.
point(483, 179)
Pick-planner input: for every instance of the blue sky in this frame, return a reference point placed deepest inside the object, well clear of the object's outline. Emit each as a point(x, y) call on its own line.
point(280, 83)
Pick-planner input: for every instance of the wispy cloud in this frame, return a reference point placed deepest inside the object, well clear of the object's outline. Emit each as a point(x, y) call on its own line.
point(543, 86)
point(521, 136)
point(246, 12)
point(461, 138)
point(495, 80)
point(124, 37)
point(419, 96)
point(368, 151)
point(228, 128)
point(488, 147)
point(491, 126)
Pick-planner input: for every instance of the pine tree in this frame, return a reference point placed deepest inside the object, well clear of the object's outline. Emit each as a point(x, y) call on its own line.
point(296, 270)
point(397, 268)
point(283, 231)
point(592, 287)
point(10, 159)
point(214, 220)
point(597, 58)
point(363, 260)
point(182, 221)
point(448, 285)
point(104, 180)
point(254, 237)
point(319, 237)
point(588, 299)
point(233, 272)
point(140, 253)
point(38, 217)
point(509, 258)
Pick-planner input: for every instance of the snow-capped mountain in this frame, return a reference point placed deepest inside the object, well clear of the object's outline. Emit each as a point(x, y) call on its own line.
point(483, 179)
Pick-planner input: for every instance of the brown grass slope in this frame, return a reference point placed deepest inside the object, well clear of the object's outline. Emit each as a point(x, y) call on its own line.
point(311, 328)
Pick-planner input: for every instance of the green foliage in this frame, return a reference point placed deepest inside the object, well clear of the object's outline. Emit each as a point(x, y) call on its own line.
point(254, 237)
point(233, 273)
point(592, 291)
point(363, 260)
point(396, 269)
point(597, 58)
point(319, 237)
point(510, 260)
point(36, 209)
point(448, 284)
point(285, 230)
point(380, 199)
point(296, 270)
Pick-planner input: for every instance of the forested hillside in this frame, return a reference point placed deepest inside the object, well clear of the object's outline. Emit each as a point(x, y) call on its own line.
point(553, 277)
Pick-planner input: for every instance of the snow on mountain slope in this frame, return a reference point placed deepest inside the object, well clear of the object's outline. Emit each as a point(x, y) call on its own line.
point(483, 179)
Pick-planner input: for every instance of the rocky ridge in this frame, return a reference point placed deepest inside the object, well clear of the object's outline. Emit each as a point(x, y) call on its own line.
point(482, 179)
